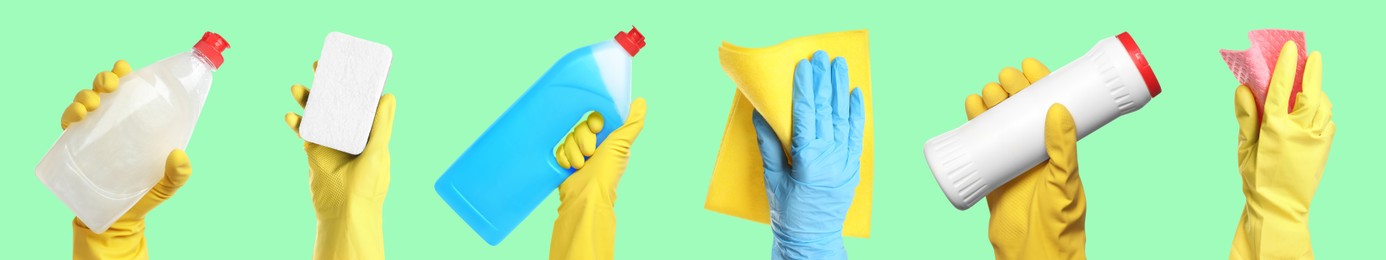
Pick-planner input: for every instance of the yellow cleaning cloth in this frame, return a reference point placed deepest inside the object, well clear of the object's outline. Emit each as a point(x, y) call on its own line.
point(764, 78)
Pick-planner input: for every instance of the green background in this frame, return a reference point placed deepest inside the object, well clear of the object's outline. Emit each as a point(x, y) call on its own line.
point(1162, 183)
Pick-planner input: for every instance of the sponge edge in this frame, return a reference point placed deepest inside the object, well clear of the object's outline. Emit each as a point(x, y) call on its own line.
point(346, 91)
point(1253, 67)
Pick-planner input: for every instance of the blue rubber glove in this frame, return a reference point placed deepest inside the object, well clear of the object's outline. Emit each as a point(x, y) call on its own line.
point(809, 199)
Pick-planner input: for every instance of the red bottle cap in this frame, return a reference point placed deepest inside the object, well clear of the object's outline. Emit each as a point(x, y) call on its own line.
point(1142, 65)
point(632, 41)
point(211, 46)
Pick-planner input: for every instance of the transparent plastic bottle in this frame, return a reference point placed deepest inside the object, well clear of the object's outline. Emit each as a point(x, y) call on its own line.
point(511, 168)
point(102, 165)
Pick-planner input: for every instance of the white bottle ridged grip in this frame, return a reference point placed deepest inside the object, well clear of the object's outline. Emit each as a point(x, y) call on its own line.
point(1111, 80)
point(615, 65)
point(102, 165)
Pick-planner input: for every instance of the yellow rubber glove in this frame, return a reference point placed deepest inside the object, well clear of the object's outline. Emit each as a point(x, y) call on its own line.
point(124, 239)
point(586, 225)
point(1281, 158)
point(1040, 213)
point(349, 190)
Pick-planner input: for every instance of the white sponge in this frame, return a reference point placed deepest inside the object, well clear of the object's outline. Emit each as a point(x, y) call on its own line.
point(346, 90)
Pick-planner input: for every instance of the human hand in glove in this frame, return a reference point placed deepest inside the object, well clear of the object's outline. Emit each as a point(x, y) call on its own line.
point(125, 238)
point(1281, 157)
point(586, 225)
point(1040, 213)
point(349, 190)
point(811, 189)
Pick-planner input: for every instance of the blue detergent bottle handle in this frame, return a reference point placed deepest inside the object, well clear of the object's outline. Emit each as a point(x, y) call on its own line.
point(510, 168)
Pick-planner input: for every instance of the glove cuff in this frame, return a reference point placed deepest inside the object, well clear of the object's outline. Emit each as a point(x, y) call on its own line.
point(810, 222)
point(123, 240)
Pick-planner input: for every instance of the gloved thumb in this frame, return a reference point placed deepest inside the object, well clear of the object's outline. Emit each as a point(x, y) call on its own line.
point(1061, 140)
point(1060, 200)
point(619, 141)
point(770, 149)
point(177, 169)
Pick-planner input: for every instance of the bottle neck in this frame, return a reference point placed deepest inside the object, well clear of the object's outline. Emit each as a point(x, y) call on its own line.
point(204, 60)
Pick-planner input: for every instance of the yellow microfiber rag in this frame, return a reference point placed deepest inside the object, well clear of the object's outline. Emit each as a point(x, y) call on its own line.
point(764, 78)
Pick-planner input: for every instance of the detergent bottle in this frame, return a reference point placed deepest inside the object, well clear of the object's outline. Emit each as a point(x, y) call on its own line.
point(511, 167)
point(1111, 80)
point(102, 165)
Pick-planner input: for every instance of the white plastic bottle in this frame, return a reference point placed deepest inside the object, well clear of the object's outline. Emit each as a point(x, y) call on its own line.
point(1111, 80)
point(105, 163)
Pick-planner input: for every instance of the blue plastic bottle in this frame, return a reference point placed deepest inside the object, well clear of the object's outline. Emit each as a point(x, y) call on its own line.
point(511, 168)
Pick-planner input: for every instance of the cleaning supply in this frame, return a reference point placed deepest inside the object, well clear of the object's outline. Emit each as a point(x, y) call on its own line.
point(1281, 158)
point(1253, 67)
point(809, 198)
point(1111, 80)
point(1041, 214)
point(510, 168)
point(105, 163)
point(346, 90)
point(764, 81)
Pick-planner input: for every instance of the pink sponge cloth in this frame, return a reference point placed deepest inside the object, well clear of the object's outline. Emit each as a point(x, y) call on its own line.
point(1253, 67)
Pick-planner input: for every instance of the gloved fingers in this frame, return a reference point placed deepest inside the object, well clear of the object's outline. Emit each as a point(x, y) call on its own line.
point(771, 154)
point(595, 122)
point(842, 89)
point(803, 115)
point(1248, 117)
point(562, 157)
point(85, 102)
point(1012, 80)
point(293, 119)
point(177, 169)
point(121, 68)
point(1061, 141)
point(974, 105)
point(105, 82)
point(586, 133)
point(1313, 74)
point(1034, 70)
point(586, 141)
point(383, 126)
point(88, 98)
point(300, 94)
point(1313, 92)
point(1282, 82)
point(1306, 105)
point(74, 112)
point(573, 153)
point(858, 126)
point(993, 94)
point(823, 93)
